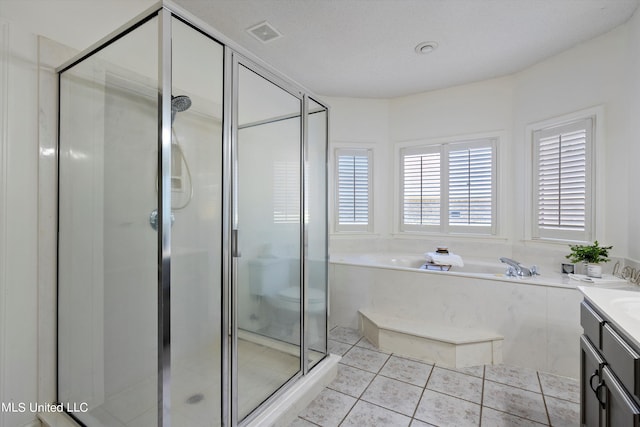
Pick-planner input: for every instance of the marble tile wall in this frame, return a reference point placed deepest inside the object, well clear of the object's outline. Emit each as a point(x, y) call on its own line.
point(540, 324)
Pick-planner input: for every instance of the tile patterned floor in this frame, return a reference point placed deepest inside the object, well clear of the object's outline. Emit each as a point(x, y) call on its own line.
point(373, 388)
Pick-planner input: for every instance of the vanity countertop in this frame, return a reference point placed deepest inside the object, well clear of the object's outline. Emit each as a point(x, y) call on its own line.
point(621, 306)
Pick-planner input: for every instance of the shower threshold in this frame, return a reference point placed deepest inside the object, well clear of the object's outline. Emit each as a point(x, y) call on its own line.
point(196, 385)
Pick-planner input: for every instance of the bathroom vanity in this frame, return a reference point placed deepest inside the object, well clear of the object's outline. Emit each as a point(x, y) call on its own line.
point(610, 358)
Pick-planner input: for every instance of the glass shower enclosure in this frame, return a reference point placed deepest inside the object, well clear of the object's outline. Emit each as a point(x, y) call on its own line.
point(192, 236)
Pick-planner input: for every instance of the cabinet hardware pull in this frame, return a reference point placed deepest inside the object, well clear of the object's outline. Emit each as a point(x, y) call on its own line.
point(595, 374)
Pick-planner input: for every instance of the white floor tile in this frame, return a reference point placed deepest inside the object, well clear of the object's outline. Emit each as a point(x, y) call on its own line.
point(393, 394)
point(441, 409)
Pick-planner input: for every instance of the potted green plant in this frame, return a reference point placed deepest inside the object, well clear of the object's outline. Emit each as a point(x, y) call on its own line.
point(591, 256)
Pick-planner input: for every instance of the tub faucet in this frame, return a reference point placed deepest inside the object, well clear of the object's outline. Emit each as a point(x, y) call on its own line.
point(516, 269)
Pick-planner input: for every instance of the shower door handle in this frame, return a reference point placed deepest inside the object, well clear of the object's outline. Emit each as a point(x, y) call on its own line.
point(234, 244)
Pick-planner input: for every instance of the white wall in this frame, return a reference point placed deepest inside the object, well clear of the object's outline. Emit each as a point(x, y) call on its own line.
point(600, 73)
point(18, 221)
point(464, 111)
point(472, 108)
point(362, 123)
point(631, 152)
point(575, 80)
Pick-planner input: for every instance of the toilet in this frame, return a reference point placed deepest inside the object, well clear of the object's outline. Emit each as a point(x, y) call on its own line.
point(271, 280)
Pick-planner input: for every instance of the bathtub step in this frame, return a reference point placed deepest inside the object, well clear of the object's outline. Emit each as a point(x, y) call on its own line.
point(447, 346)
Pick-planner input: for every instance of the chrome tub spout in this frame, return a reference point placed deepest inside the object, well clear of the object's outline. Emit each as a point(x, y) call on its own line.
point(516, 269)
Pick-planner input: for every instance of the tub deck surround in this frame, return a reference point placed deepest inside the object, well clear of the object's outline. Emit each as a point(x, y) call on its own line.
point(479, 268)
point(430, 342)
point(538, 317)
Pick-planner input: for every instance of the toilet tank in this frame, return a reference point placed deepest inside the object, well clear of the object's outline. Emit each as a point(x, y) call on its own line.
point(268, 275)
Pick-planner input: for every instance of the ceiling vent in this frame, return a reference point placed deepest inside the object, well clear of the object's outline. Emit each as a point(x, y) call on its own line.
point(264, 32)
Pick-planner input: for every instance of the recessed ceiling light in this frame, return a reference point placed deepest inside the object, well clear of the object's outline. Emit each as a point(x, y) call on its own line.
point(426, 47)
point(264, 32)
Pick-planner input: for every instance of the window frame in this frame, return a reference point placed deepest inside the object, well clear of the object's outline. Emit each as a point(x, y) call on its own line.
point(550, 128)
point(352, 151)
point(444, 147)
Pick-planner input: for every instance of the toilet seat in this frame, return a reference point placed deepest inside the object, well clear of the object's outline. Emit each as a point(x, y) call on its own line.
point(292, 294)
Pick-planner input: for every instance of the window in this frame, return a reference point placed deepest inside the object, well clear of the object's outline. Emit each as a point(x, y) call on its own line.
point(449, 187)
point(286, 192)
point(471, 186)
point(353, 192)
point(562, 181)
point(421, 195)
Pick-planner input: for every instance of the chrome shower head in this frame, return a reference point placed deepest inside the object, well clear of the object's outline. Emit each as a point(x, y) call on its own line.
point(179, 104)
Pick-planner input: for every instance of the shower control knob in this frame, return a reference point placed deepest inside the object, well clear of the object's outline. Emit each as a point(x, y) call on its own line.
point(153, 219)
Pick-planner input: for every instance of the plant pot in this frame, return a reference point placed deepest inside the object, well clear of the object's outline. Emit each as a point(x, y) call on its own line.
point(594, 270)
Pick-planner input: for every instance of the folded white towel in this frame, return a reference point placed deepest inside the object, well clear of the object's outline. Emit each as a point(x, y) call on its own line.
point(444, 259)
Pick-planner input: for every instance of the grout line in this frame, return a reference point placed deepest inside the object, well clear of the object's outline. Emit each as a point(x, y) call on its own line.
point(518, 416)
point(539, 382)
point(460, 372)
point(561, 398)
point(402, 381)
point(452, 395)
point(311, 422)
point(368, 385)
point(386, 409)
point(381, 367)
point(544, 400)
point(413, 417)
point(514, 386)
point(371, 382)
point(484, 368)
point(349, 411)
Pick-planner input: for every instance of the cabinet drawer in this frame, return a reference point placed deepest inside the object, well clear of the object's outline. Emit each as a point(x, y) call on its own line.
point(621, 410)
point(624, 361)
point(591, 323)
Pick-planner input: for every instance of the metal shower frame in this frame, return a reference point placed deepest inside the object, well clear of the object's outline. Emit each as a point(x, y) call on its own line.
point(234, 56)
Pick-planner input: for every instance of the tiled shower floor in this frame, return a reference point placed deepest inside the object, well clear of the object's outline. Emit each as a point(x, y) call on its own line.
point(380, 389)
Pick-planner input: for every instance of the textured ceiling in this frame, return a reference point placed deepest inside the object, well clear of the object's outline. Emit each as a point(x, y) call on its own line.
point(362, 48)
point(365, 48)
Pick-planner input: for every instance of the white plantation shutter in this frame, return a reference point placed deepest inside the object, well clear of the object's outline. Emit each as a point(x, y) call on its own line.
point(562, 160)
point(421, 187)
point(353, 189)
point(449, 187)
point(471, 186)
point(286, 192)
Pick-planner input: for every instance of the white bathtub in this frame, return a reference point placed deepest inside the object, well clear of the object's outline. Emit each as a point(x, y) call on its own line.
point(538, 317)
point(413, 261)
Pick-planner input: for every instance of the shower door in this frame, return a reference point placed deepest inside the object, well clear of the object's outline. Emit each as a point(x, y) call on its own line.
point(107, 265)
point(109, 198)
point(267, 223)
